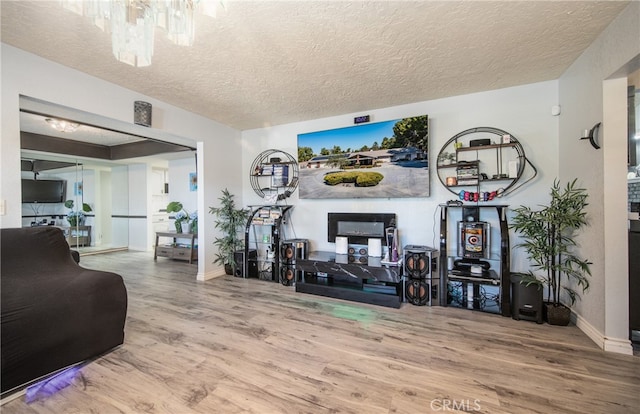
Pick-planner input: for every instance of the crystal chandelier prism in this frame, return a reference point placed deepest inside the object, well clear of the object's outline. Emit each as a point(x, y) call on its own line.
point(132, 23)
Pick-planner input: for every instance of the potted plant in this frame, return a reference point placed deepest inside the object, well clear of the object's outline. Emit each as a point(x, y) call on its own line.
point(230, 220)
point(181, 216)
point(548, 235)
point(76, 218)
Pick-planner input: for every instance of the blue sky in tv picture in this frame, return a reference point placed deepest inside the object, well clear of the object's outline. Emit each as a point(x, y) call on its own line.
point(356, 136)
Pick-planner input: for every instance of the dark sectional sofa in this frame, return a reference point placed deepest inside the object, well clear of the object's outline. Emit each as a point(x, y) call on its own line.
point(55, 313)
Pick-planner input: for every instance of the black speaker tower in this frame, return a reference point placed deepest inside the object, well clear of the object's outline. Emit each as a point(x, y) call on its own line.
point(290, 250)
point(422, 281)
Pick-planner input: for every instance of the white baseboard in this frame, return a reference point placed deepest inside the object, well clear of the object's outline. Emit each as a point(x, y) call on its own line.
point(617, 345)
point(211, 274)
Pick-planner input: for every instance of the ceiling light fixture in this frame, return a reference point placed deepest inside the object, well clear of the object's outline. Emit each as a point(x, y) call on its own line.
point(132, 23)
point(62, 125)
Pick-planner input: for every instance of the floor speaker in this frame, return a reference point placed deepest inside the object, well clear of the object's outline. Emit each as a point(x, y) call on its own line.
point(420, 262)
point(293, 249)
point(252, 263)
point(287, 275)
point(526, 301)
point(421, 292)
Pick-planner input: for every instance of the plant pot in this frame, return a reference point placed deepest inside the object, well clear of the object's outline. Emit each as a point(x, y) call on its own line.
point(559, 315)
point(228, 269)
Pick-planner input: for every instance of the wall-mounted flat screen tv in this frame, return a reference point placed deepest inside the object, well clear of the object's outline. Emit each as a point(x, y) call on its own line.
point(43, 191)
point(380, 160)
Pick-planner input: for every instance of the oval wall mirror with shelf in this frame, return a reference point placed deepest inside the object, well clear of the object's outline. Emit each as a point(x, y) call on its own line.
point(480, 164)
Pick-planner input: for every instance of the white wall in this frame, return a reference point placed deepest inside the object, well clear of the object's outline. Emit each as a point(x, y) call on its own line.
point(523, 111)
point(120, 206)
point(27, 74)
point(604, 309)
point(139, 197)
point(104, 210)
point(179, 190)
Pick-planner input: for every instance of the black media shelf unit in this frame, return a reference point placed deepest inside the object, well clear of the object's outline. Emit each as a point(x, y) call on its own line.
point(356, 278)
point(498, 275)
point(270, 217)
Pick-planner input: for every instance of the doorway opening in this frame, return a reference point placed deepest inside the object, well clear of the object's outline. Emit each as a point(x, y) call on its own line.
point(112, 196)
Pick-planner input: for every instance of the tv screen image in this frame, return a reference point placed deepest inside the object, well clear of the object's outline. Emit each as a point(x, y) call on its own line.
point(43, 191)
point(387, 159)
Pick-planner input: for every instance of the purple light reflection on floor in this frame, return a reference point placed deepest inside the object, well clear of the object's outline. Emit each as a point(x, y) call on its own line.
point(50, 385)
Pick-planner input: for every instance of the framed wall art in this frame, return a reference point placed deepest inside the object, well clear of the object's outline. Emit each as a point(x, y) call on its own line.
point(77, 188)
point(193, 181)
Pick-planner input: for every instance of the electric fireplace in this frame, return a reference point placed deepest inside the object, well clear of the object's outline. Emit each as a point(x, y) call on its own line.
point(359, 227)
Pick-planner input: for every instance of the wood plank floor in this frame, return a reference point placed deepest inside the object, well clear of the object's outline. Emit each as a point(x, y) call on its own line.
point(242, 345)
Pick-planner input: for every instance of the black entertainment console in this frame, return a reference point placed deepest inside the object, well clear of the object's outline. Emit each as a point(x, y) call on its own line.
point(356, 278)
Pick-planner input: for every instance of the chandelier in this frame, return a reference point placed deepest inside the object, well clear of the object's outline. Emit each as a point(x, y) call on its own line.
point(132, 23)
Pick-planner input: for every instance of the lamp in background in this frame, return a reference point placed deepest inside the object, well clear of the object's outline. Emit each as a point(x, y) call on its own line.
point(132, 23)
point(592, 135)
point(62, 125)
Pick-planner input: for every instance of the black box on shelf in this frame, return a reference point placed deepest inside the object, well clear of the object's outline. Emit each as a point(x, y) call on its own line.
point(479, 142)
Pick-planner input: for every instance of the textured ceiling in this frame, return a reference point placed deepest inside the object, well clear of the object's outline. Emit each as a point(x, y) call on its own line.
point(262, 63)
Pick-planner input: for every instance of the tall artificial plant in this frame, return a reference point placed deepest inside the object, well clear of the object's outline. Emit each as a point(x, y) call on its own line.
point(548, 235)
point(230, 220)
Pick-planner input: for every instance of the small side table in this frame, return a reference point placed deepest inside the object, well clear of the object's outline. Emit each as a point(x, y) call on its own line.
point(173, 251)
point(77, 235)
